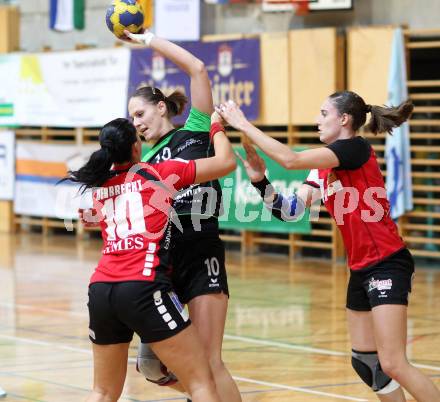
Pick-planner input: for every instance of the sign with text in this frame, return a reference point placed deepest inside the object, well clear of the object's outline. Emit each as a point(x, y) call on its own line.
point(7, 165)
point(233, 68)
point(9, 79)
point(39, 167)
point(177, 20)
point(244, 208)
point(85, 88)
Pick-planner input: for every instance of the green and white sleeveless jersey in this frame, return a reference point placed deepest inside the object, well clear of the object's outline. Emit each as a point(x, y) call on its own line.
point(190, 142)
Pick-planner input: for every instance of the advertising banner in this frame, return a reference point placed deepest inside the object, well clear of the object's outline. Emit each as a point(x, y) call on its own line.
point(7, 165)
point(177, 19)
point(39, 167)
point(9, 78)
point(244, 208)
point(72, 89)
point(233, 68)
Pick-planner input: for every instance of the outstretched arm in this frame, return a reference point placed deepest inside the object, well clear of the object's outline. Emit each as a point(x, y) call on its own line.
point(283, 208)
point(201, 95)
point(318, 158)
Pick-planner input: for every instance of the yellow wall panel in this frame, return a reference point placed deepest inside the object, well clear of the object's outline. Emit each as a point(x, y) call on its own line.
point(368, 60)
point(9, 29)
point(316, 65)
point(274, 81)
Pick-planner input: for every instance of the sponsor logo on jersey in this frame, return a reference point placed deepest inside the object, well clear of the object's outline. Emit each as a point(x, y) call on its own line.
point(188, 143)
point(380, 285)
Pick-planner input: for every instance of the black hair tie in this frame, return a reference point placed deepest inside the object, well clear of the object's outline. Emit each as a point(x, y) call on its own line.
point(158, 93)
point(368, 108)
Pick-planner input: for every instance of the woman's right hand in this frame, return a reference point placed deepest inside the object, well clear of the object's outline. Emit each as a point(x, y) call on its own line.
point(232, 114)
point(89, 217)
point(254, 164)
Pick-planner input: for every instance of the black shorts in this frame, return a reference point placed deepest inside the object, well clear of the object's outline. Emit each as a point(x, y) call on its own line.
point(116, 310)
point(387, 282)
point(198, 260)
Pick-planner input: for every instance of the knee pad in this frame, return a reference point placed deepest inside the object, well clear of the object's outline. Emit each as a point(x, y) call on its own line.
point(149, 365)
point(367, 366)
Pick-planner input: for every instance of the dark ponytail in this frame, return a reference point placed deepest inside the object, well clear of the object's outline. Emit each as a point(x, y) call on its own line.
point(175, 103)
point(116, 139)
point(383, 118)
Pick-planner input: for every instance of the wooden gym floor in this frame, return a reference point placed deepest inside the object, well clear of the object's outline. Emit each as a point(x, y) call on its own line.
point(285, 338)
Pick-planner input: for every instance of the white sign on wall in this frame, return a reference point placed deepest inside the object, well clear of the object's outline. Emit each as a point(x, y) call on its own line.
point(177, 20)
point(73, 89)
point(39, 168)
point(9, 76)
point(7, 165)
point(329, 5)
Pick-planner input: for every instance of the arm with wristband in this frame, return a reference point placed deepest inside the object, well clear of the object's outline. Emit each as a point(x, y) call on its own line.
point(288, 209)
point(285, 209)
point(224, 160)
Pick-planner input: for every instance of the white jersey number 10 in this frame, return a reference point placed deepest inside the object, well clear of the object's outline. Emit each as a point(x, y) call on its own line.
point(124, 216)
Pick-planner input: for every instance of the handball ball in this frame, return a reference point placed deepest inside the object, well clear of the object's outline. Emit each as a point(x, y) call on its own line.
point(124, 14)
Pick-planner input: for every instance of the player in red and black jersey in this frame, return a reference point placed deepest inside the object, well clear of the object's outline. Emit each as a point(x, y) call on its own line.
point(199, 273)
point(130, 290)
point(346, 176)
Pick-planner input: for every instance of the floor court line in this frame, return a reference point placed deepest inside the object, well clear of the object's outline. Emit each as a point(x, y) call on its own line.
point(298, 389)
point(227, 336)
point(133, 360)
point(284, 345)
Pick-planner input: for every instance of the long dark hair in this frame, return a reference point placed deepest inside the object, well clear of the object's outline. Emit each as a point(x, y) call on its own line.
point(383, 118)
point(116, 139)
point(175, 103)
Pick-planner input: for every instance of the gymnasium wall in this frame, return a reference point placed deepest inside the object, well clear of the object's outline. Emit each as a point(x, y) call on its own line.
point(227, 19)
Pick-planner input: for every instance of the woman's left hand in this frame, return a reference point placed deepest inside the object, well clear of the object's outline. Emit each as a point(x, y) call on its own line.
point(142, 38)
point(216, 118)
point(254, 164)
point(232, 114)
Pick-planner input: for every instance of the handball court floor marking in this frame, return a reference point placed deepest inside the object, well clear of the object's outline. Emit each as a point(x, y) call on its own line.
point(263, 342)
point(45, 354)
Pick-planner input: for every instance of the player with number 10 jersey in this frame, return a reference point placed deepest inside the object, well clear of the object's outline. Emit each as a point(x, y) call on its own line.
point(134, 205)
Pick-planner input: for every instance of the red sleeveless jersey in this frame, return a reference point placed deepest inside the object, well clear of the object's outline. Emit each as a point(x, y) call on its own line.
point(356, 199)
point(134, 208)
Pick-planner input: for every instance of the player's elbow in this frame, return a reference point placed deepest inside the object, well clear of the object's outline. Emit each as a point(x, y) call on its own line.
point(228, 165)
point(289, 161)
point(231, 164)
point(199, 68)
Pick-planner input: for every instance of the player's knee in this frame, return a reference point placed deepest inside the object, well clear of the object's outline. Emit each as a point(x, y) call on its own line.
point(216, 364)
point(367, 366)
point(392, 366)
point(149, 365)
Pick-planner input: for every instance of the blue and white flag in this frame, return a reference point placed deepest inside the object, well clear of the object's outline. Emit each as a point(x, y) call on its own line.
point(397, 148)
point(66, 15)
